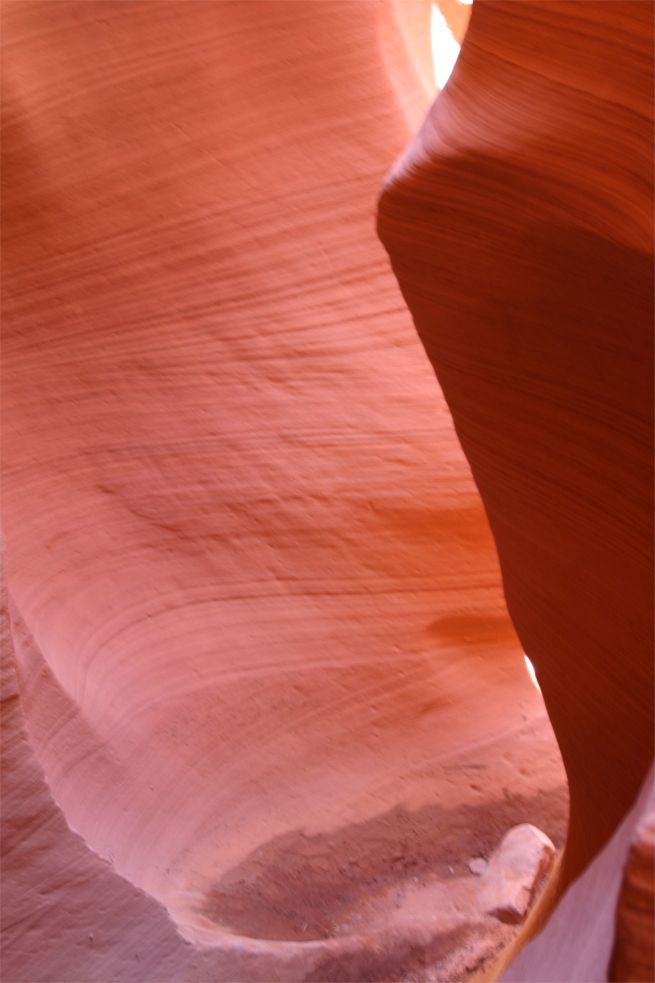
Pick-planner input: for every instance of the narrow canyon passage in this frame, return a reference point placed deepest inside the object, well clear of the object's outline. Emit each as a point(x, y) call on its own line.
point(264, 699)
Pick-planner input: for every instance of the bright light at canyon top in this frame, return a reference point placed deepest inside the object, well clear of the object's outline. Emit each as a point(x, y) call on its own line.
point(445, 46)
point(531, 673)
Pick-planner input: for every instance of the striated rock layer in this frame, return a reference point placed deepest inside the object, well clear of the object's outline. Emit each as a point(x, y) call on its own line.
point(519, 225)
point(264, 670)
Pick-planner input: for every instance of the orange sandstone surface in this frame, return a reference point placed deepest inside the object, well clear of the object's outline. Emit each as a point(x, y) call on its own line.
point(262, 697)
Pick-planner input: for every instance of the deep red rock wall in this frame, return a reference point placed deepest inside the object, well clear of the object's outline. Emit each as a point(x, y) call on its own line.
point(539, 194)
point(531, 179)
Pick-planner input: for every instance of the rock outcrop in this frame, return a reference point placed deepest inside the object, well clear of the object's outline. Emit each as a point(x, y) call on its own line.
point(514, 873)
point(519, 225)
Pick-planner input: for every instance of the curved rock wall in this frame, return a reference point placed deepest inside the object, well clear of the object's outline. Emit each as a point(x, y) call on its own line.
point(531, 179)
point(258, 621)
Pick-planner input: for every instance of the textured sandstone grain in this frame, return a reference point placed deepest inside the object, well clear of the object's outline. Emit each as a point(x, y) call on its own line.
point(264, 667)
point(526, 192)
point(531, 178)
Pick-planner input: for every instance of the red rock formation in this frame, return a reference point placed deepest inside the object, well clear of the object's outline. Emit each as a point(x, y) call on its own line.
point(531, 180)
point(258, 624)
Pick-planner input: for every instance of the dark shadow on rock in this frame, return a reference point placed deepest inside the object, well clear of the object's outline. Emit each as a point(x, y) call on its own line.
point(467, 629)
point(300, 886)
point(390, 962)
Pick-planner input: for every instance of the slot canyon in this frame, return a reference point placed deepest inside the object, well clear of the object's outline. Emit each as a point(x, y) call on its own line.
point(327, 412)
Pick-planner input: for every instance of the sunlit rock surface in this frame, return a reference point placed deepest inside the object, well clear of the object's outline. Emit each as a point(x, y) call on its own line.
point(264, 693)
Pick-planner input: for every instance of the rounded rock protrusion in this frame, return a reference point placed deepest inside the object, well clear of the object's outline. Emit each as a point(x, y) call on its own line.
point(514, 872)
